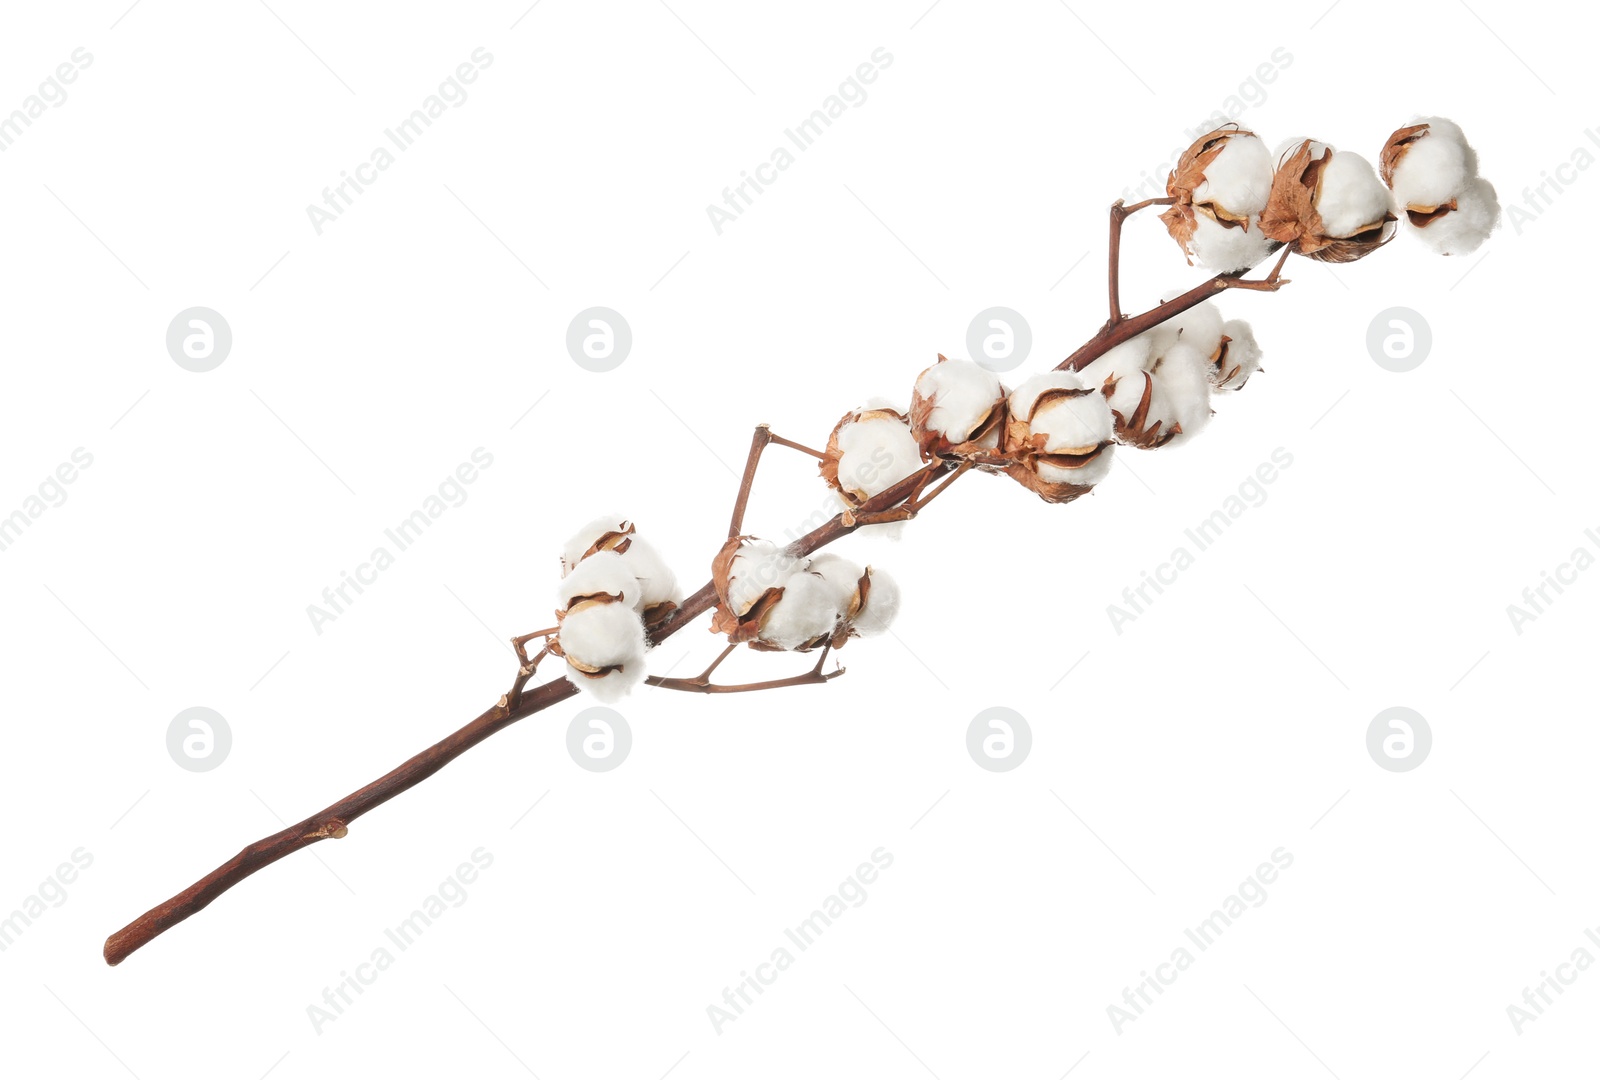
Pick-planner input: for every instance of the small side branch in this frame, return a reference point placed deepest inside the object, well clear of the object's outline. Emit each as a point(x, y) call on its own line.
point(1114, 334)
point(1119, 214)
point(702, 684)
point(758, 442)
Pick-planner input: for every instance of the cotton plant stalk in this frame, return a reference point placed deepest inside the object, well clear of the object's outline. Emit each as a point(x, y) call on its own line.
point(1144, 381)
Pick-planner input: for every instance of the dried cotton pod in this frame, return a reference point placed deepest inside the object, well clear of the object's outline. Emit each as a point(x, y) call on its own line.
point(869, 451)
point(957, 409)
point(1238, 357)
point(1221, 184)
point(749, 576)
point(804, 617)
point(599, 634)
point(657, 591)
point(1433, 173)
point(1328, 204)
point(1058, 435)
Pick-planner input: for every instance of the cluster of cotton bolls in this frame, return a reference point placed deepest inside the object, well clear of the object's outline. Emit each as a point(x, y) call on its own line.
point(1234, 203)
point(613, 584)
point(1056, 431)
point(780, 602)
point(1159, 384)
point(1434, 176)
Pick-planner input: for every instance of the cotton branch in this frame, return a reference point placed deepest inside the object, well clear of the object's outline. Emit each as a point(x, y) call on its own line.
point(1230, 204)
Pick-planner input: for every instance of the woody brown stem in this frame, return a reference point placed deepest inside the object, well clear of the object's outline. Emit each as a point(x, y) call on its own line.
point(1119, 214)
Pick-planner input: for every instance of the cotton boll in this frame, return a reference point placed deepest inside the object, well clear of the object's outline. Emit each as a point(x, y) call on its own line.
point(1058, 435)
point(1023, 399)
point(601, 574)
point(1225, 248)
point(1181, 396)
point(841, 576)
point(657, 583)
point(604, 648)
point(1200, 326)
point(1433, 169)
point(956, 406)
point(1241, 356)
point(603, 532)
point(881, 605)
point(1463, 229)
point(1440, 162)
point(1073, 423)
point(868, 453)
point(807, 612)
point(1217, 190)
point(757, 566)
point(1239, 178)
point(1328, 205)
point(1447, 130)
point(1350, 196)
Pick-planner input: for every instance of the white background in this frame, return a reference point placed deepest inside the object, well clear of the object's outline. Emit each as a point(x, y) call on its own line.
point(369, 361)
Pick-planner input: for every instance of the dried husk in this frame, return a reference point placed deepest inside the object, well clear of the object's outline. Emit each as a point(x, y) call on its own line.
point(1137, 429)
point(1223, 370)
